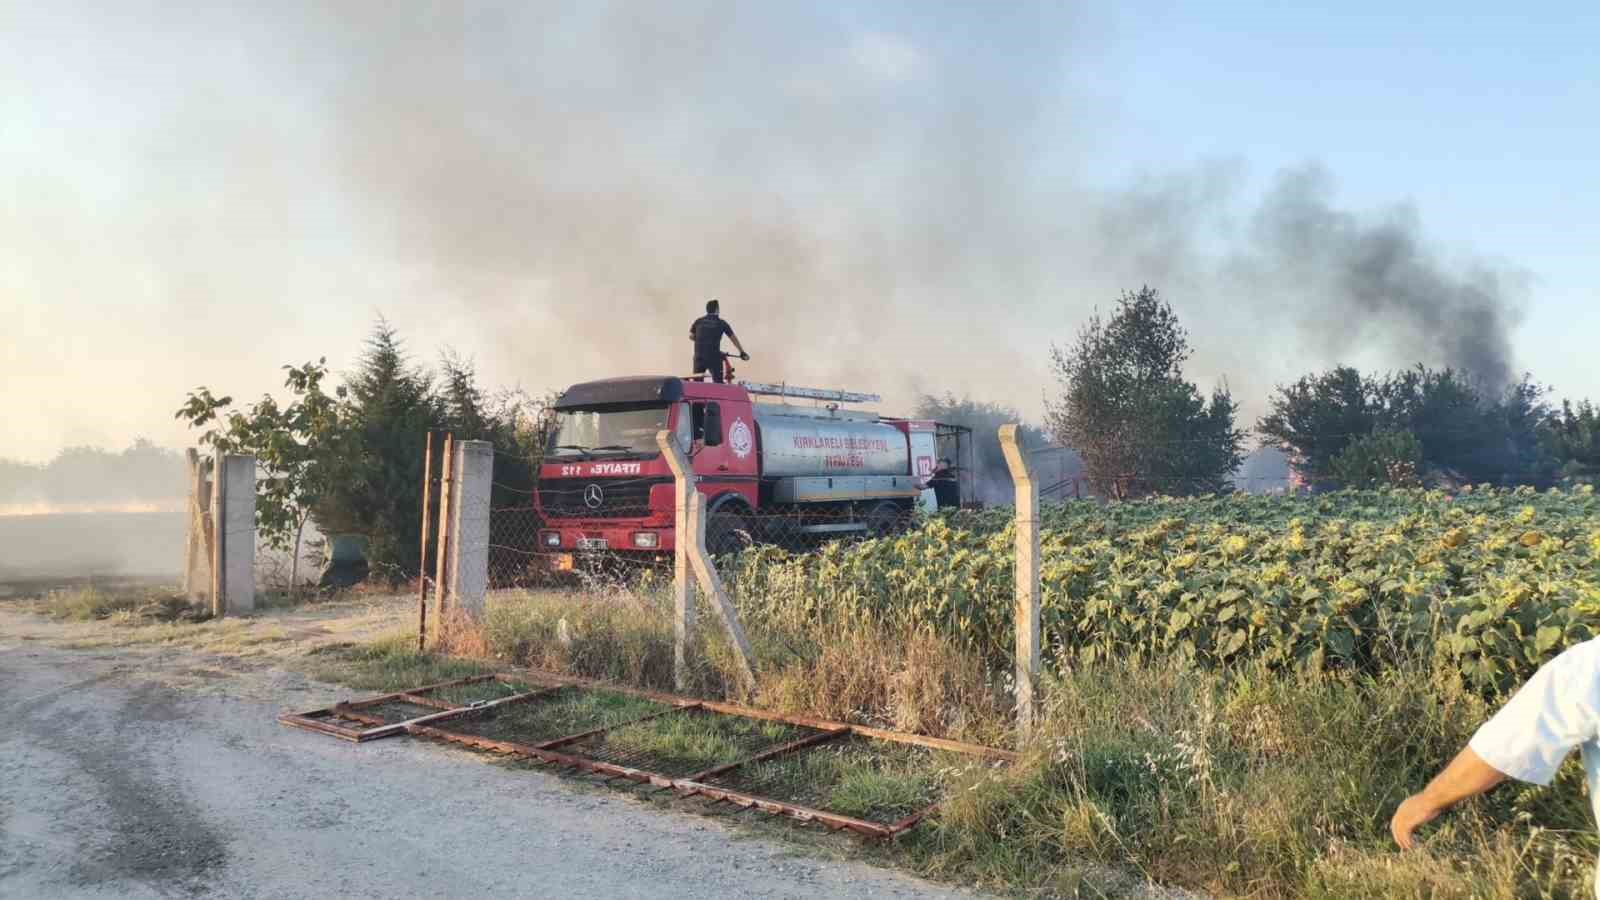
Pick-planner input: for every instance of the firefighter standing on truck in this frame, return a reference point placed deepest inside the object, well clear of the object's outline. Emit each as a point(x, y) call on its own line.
point(707, 332)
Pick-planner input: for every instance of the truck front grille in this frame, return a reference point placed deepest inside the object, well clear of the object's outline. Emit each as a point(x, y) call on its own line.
point(597, 498)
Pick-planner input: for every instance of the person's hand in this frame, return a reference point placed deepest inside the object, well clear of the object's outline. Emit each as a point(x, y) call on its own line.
point(1415, 812)
point(744, 356)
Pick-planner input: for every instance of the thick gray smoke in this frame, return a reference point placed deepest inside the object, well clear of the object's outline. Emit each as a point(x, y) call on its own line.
point(1364, 282)
point(1293, 277)
point(588, 176)
point(883, 199)
point(858, 200)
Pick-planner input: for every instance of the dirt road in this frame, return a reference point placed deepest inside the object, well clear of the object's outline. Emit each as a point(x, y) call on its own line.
point(139, 772)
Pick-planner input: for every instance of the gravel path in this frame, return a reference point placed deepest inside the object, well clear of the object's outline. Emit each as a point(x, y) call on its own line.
point(162, 773)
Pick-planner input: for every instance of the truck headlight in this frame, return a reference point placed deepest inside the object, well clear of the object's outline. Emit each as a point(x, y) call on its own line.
point(551, 539)
point(646, 540)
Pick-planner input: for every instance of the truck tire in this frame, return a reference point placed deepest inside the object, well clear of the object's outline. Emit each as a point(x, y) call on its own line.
point(885, 518)
point(727, 532)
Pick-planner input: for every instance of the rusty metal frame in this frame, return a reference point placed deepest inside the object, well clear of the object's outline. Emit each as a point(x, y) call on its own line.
point(553, 751)
point(325, 721)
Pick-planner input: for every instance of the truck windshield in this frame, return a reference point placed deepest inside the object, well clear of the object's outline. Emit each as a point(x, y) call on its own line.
point(603, 432)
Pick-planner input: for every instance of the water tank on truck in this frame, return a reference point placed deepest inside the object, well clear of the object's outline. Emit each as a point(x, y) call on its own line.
point(794, 444)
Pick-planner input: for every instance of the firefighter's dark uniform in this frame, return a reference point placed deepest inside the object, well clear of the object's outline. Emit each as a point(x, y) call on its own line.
point(707, 332)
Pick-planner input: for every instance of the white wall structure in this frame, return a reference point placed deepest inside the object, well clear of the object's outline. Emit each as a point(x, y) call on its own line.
point(233, 510)
point(682, 591)
point(471, 477)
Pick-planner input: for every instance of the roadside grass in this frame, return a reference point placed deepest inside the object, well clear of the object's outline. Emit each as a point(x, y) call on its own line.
point(907, 680)
point(1261, 784)
point(132, 602)
point(132, 613)
point(563, 712)
point(1248, 782)
point(686, 742)
point(387, 664)
point(231, 637)
point(123, 604)
point(874, 780)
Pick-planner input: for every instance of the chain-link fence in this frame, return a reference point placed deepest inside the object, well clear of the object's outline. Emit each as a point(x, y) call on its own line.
point(611, 530)
point(549, 530)
point(553, 531)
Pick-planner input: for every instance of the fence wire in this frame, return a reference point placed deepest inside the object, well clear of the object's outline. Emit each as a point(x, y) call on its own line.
point(551, 531)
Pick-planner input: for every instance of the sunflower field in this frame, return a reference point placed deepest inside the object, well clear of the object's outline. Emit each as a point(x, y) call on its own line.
point(1488, 582)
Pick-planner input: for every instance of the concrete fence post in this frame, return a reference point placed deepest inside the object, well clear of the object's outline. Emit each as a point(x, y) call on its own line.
point(689, 543)
point(1027, 577)
point(711, 586)
point(471, 480)
point(233, 528)
point(682, 599)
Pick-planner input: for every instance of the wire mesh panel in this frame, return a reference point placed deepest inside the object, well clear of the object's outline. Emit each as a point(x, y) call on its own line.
point(481, 691)
point(877, 781)
point(687, 742)
point(560, 713)
point(387, 713)
point(547, 530)
point(374, 717)
point(874, 783)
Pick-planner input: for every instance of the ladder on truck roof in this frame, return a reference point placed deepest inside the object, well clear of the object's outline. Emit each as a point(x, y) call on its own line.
point(789, 390)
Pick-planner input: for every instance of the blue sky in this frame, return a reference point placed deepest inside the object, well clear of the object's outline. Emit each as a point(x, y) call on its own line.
point(1485, 117)
point(896, 197)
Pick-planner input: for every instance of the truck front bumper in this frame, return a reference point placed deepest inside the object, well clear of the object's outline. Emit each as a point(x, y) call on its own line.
point(615, 537)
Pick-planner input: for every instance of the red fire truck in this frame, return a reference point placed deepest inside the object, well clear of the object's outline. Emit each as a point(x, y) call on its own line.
point(775, 462)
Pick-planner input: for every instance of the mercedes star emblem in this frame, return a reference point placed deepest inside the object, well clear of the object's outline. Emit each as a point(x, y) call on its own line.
point(593, 496)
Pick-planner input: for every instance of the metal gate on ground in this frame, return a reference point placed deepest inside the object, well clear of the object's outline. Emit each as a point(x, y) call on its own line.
point(844, 777)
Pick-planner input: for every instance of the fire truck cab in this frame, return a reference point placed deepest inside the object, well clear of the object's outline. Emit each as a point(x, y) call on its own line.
point(772, 467)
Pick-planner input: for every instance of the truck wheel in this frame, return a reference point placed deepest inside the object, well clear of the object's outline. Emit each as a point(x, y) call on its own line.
point(727, 532)
point(885, 519)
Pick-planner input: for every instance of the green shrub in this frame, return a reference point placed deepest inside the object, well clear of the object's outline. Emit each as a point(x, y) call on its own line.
point(1257, 783)
point(1379, 459)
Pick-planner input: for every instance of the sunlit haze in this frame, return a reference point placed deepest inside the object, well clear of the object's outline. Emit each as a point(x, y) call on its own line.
point(889, 197)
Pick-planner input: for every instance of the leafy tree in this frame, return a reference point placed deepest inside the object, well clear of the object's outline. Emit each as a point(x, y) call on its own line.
point(1571, 438)
point(1125, 407)
point(1465, 430)
point(389, 408)
point(511, 420)
point(1381, 458)
point(302, 451)
point(1314, 419)
point(142, 472)
point(466, 409)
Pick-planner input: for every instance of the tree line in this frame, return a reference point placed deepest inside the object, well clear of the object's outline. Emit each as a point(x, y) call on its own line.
point(1124, 405)
point(350, 459)
point(142, 473)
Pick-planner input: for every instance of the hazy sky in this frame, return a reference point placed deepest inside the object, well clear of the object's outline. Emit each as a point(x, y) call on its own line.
point(891, 197)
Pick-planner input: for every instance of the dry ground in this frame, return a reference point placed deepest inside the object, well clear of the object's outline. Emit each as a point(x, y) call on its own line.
point(144, 761)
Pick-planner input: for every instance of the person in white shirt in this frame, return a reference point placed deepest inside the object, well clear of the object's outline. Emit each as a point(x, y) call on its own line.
point(1557, 710)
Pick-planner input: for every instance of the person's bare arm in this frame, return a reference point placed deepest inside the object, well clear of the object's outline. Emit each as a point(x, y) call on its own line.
point(735, 338)
point(1466, 776)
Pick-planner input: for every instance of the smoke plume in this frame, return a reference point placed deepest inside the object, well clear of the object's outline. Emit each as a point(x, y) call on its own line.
point(1292, 279)
point(882, 199)
point(1377, 282)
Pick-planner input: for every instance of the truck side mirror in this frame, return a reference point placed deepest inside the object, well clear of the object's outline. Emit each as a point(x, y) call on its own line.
point(713, 425)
